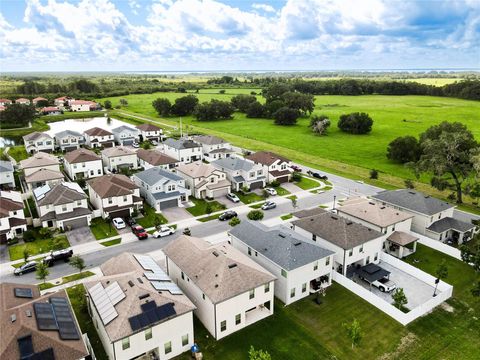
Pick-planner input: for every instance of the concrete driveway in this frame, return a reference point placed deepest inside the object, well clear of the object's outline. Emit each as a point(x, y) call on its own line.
point(176, 214)
point(80, 236)
point(290, 187)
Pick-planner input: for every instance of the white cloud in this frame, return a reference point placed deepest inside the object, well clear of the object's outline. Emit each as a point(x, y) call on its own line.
point(264, 7)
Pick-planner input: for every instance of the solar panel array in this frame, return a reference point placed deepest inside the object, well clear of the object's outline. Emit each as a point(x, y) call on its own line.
point(167, 286)
point(151, 314)
point(56, 315)
point(105, 300)
point(23, 293)
point(157, 277)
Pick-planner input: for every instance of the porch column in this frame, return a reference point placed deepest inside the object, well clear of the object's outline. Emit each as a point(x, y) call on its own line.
point(400, 252)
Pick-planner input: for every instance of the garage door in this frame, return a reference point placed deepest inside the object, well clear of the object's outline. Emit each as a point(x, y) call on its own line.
point(3, 238)
point(127, 142)
point(107, 144)
point(119, 213)
point(70, 148)
point(256, 185)
point(168, 204)
point(220, 192)
point(282, 179)
point(75, 223)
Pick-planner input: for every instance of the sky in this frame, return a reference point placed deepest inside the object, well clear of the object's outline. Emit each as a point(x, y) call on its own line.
point(207, 35)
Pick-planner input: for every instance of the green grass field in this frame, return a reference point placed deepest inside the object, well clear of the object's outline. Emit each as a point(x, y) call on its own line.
point(200, 207)
point(39, 246)
point(101, 230)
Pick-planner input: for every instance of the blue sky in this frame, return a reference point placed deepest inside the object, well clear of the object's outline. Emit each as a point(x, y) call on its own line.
point(201, 35)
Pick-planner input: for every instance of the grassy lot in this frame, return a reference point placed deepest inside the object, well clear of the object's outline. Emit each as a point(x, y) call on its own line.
point(249, 198)
point(281, 191)
point(307, 183)
point(113, 241)
point(36, 247)
point(79, 304)
point(257, 206)
point(201, 205)
point(101, 230)
point(18, 152)
point(208, 218)
point(151, 217)
point(286, 217)
point(66, 279)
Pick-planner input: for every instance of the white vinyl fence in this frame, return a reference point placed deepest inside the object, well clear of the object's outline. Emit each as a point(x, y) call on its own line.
point(439, 246)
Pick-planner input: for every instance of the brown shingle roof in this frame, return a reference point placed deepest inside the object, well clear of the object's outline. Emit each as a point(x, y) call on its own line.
point(43, 175)
point(197, 169)
point(80, 156)
point(401, 238)
point(266, 158)
point(7, 205)
point(117, 151)
point(148, 127)
point(39, 159)
point(96, 131)
point(155, 158)
point(35, 135)
point(61, 194)
point(112, 185)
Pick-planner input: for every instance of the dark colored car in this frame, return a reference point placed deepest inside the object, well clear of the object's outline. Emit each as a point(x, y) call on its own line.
point(139, 232)
point(296, 168)
point(187, 232)
point(227, 215)
point(26, 268)
point(55, 256)
point(318, 176)
point(130, 221)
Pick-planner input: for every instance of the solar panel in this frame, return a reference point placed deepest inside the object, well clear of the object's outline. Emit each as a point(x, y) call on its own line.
point(66, 324)
point(165, 310)
point(157, 276)
point(148, 306)
point(147, 262)
point(23, 293)
point(115, 293)
point(45, 316)
point(25, 346)
point(167, 286)
point(151, 314)
point(103, 303)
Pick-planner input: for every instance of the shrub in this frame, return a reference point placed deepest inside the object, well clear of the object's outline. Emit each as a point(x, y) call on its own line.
point(355, 123)
point(107, 104)
point(296, 176)
point(409, 184)
point(234, 222)
point(319, 124)
point(286, 116)
point(45, 232)
point(12, 241)
point(29, 236)
point(404, 149)
point(275, 183)
point(255, 215)
point(373, 174)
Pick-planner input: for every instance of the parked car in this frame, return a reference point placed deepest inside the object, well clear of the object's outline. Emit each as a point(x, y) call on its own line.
point(187, 231)
point(54, 256)
point(136, 145)
point(384, 284)
point(271, 191)
point(269, 205)
point(26, 268)
point(296, 168)
point(119, 223)
point(154, 143)
point(130, 221)
point(233, 197)
point(162, 231)
point(227, 215)
point(139, 232)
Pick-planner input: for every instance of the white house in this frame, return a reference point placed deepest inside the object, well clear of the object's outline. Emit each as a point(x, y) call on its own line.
point(242, 173)
point(353, 244)
point(204, 180)
point(68, 140)
point(230, 290)
point(37, 141)
point(50, 110)
point(276, 167)
point(150, 132)
point(12, 218)
point(119, 157)
point(6, 174)
point(213, 147)
point(431, 217)
point(162, 189)
point(98, 137)
point(185, 151)
point(125, 135)
point(62, 206)
point(114, 195)
point(82, 105)
point(82, 164)
point(22, 101)
point(63, 101)
point(154, 158)
point(300, 267)
point(135, 314)
point(41, 169)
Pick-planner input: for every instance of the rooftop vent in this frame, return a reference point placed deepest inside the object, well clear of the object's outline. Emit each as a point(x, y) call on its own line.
point(412, 192)
point(297, 243)
point(282, 235)
point(349, 223)
point(215, 253)
point(140, 280)
point(334, 217)
point(231, 266)
point(144, 296)
point(383, 207)
point(130, 282)
point(13, 317)
point(216, 285)
point(371, 203)
point(28, 313)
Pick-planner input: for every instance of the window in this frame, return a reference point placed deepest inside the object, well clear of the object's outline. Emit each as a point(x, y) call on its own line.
point(79, 202)
point(64, 208)
point(314, 237)
point(249, 251)
point(168, 347)
point(304, 287)
point(267, 287)
point(124, 199)
point(256, 253)
point(212, 180)
point(203, 296)
point(223, 325)
point(315, 266)
point(14, 213)
point(74, 166)
point(238, 319)
point(350, 252)
point(292, 292)
point(259, 172)
point(92, 172)
point(252, 174)
point(251, 295)
point(99, 171)
point(148, 334)
point(284, 273)
point(125, 343)
point(361, 249)
point(110, 200)
point(183, 276)
point(327, 261)
point(376, 256)
point(185, 340)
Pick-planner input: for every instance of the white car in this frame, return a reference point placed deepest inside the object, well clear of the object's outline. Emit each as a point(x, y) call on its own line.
point(135, 145)
point(162, 231)
point(233, 197)
point(271, 191)
point(119, 223)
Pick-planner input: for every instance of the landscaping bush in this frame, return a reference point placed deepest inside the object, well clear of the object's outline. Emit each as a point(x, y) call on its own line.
point(373, 174)
point(355, 123)
point(255, 215)
point(12, 241)
point(296, 176)
point(275, 183)
point(29, 236)
point(234, 222)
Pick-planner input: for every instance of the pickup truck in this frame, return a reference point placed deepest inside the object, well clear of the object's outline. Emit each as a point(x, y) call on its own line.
point(383, 284)
point(55, 256)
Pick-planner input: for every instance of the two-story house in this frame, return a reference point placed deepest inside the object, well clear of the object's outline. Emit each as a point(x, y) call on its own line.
point(68, 140)
point(22, 101)
point(12, 217)
point(125, 135)
point(204, 180)
point(114, 195)
point(82, 164)
point(276, 167)
point(63, 101)
point(242, 173)
point(97, 137)
point(83, 105)
point(62, 206)
point(7, 180)
point(41, 169)
point(118, 157)
point(154, 158)
point(230, 290)
point(37, 141)
point(213, 147)
point(38, 99)
point(150, 132)
point(162, 189)
point(185, 151)
point(300, 267)
point(139, 313)
point(354, 244)
point(431, 217)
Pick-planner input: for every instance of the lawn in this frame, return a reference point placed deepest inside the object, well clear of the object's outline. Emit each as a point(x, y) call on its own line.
point(249, 198)
point(101, 230)
point(201, 207)
point(150, 217)
point(18, 152)
point(208, 218)
point(113, 241)
point(39, 246)
point(307, 183)
point(281, 191)
point(66, 279)
point(286, 217)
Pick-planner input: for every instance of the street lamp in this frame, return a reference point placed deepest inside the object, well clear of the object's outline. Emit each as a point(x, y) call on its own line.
point(334, 198)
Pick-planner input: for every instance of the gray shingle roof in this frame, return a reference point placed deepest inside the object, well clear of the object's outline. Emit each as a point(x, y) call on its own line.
point(5, 166)
point(209, 140)
point(181, 144)
point(413, 200)
point(448, 223)
point(154, 175)
point(66, 133)
point(124, 128)
point(233, 164)
point(280, 244)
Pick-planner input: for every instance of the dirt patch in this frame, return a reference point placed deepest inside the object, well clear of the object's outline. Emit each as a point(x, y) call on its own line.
point(405, 343)
point(447, 307)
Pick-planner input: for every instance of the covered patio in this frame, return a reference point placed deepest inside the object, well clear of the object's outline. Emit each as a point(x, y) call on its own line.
point(401, 244)
point(451, 230)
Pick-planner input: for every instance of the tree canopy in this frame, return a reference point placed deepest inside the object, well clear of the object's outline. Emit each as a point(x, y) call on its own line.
point(17, 115)
point(286, 116)
point(355, 123)
point(214, 110)
point(162, 106)
point(404, 149)
point(184, 105)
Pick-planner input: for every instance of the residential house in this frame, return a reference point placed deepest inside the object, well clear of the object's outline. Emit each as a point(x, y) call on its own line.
point(41, 169)
point(37, 141)
point(82, 164)
point(213, 147)
point(83, 105)
point(51, 110)
point(37, 99)
point(300, 267)
point(118, 157)
point(63, 101)
point(5, 102)
point(230, 290)
point(68, 140)
point(22, 101)
point(139, 313)
point(354, 244)
point(114, 195)
point(431, 217)
point(12, 217)
point(36, 326)
point(162, 189)
point(150, 132)
point(394, 223)
point(98, 137)
point(185, 151)
point(125, 135)
point(6, 174)
point(276, 167)
point(63, 206)
point(154, 158)
point(204, 180)
point(242, 173)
